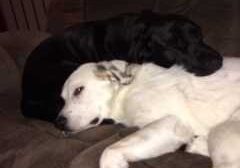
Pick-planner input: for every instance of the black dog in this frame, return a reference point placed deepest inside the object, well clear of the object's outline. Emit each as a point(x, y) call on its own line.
point(136, 38)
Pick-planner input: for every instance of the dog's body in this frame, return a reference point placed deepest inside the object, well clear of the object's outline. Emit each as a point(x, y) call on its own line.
point(170, 106)
point(137, 38)
point(158, 92)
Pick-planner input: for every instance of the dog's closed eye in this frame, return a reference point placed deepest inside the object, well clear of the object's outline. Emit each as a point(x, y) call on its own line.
point(94, 121)
point(78, 90)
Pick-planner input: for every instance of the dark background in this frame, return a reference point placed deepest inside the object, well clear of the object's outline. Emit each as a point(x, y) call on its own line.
point(219, 19)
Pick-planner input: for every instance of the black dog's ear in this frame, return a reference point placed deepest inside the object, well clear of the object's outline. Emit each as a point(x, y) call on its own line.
point(114, 71)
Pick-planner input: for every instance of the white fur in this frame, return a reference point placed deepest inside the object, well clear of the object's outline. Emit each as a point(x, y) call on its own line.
point(170, 106)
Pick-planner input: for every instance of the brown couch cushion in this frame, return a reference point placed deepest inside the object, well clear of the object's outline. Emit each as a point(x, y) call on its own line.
point(36, 144)
point(9, 82)
point(20, 43)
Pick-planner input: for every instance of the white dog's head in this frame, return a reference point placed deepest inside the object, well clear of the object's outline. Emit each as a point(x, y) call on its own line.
point(88, 94)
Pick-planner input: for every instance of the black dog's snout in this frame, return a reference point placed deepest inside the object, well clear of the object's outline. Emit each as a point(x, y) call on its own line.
point(61, 122)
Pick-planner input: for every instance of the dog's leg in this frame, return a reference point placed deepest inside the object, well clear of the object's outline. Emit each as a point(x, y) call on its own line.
point(224, 145)
point(160, 137)
point(198, 145)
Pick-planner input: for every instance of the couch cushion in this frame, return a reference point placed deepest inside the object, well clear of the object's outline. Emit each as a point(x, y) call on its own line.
point(14, 49)
point(20, 43)
point(9, 83)
point(36, 144)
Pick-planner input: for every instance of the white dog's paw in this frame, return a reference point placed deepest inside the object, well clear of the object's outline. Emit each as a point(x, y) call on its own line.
point(112, 158)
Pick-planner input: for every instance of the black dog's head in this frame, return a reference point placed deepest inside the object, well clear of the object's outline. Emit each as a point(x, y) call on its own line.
point(169, 40)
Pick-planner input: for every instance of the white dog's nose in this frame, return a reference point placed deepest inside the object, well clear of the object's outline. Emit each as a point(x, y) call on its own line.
point(61, 122)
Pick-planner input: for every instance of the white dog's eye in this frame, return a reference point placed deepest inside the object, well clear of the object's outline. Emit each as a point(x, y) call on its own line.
point(78, 90)
point(94, 121)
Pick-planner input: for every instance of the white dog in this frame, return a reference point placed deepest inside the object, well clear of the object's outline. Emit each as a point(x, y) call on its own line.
point(170, 106)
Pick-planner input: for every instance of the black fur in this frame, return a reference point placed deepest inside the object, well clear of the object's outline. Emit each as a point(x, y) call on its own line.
point(136, 38)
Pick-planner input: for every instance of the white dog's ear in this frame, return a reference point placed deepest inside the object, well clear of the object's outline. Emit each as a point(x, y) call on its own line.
point(115, 71)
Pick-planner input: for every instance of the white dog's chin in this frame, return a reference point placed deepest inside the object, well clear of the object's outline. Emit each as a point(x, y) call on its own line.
point(70, 131)
point(67, 133)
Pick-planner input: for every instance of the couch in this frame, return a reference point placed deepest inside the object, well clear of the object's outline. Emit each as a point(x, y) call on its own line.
point(32, 143)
